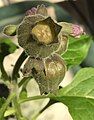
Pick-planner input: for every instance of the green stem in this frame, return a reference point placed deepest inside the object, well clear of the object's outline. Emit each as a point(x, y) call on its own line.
point(33, 98)
point(17, 108)
point(15, 102)
point(18, 64)
point(9, 112)
point(24, 80)
point(4, 107)
point(4, 74)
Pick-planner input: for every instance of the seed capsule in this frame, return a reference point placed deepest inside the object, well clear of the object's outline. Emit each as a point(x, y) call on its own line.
point(48, 72)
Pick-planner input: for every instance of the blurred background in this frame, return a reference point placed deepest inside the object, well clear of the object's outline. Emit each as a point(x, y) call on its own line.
point(72, 11)
point(7, 2)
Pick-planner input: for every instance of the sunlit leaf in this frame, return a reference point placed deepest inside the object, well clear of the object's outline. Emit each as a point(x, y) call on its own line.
point(77, 50)
point(79, 95)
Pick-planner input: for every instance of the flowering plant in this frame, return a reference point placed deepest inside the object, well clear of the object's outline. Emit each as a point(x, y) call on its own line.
point(51, 48)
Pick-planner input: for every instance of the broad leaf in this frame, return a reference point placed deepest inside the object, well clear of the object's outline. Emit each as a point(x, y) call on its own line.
point(79, 95)
point(77, 50)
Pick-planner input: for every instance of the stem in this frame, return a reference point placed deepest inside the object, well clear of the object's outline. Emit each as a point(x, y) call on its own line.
point(4, 107)
point(17, 108)
point(15, 102)
point(24, 80)
point(4, 74)
point(19, 62)
point(33, 98)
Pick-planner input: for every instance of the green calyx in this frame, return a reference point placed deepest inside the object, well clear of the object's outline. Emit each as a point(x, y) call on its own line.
point(43, 40)
point(40, 36)
point(48, 72)
point(66, 28)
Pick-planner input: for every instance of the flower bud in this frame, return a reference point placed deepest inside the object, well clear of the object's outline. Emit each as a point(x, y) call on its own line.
point(76, 31)
point(31, 11)
point(10, 30)
point(41, 9)
point(71, 29)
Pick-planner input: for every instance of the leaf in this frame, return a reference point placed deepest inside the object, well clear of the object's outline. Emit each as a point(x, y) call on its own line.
point(79, 95)
point(77, 50)
point(5, 105)
point(6, 47)
point(9, 111)
point(24, 82)
point(23, 94)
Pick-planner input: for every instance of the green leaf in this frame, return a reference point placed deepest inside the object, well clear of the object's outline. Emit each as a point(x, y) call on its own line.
point(9, 111)
point(24, 82)
point(6, 47)
point(79, 95)
point(77, 50)
point(23, 94)
point(5, 105)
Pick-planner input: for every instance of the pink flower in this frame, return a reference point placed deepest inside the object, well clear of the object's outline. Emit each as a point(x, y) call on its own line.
point(31, 11)
point(76, 31)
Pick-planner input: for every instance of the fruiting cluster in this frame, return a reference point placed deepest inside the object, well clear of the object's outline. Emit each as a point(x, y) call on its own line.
point(44, 40)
